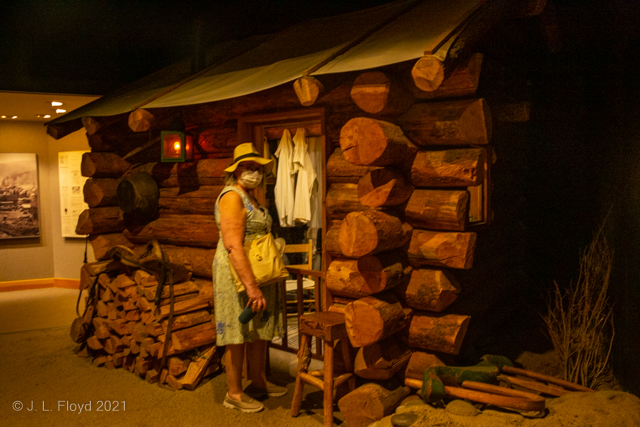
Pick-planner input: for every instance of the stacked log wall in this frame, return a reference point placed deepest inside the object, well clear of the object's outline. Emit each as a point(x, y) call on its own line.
point(406, 188)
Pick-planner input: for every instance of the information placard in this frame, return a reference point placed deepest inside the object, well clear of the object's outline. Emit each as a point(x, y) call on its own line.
point(71, 196)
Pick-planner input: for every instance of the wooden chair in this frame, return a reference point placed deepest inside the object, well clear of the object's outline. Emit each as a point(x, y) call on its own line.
point(330, 327)
point(306, 282)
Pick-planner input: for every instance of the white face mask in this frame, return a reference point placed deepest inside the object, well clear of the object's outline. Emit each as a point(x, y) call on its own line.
point(250, 179)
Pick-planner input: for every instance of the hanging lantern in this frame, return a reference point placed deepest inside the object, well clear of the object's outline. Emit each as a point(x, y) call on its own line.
point(175, 143)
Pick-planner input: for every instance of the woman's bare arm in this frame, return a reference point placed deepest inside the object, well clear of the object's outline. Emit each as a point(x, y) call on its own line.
point(232, 227)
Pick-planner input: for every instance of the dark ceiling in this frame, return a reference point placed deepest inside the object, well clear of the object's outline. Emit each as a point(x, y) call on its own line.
point(97, 46)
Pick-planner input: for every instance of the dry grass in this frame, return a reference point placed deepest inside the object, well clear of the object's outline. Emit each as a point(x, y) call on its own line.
point(579, 317)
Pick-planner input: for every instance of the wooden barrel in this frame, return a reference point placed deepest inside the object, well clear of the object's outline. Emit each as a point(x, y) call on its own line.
point(138, 196)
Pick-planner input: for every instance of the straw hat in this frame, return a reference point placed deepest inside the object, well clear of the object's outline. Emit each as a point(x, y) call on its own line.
point(247, 153)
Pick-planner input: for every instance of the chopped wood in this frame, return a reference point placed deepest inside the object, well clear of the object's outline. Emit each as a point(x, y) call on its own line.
point(439, 333)
point(141, 120)
point(177, 365)
point(429, 289)
point(370, 232)
point(198, 367)
point(442, 249)
point(103, 165)
point(438, 209)
point(100, 192)
point(463, 81)
point(340, 170)
point(420, 362)
point(460, 167)
point(94, 343)
point(370, 403)
point(307, 90)
point(378, 93)
point(372, 142)
point(383, 187)
point(100, 220)
point(343, 199)
point(380, 361)
point(373, 318)
point(462, 122)
point(102, 244)
point(355, 278)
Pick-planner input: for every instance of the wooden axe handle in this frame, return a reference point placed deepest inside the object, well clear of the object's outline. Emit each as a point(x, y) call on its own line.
point(546, 378)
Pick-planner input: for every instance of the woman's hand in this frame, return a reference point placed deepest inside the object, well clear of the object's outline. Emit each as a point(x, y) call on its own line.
point(256, 299)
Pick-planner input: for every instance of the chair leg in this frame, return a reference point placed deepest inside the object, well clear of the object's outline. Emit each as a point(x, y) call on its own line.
point(348, 362)
point(303, 366)
point(328, 384)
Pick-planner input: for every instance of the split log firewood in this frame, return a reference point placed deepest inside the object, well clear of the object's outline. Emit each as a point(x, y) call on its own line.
point(190, 338)
point(94, 343)
point(380, 361)
point(462, 122)
point(383, 187)
point(91, 270)
point(177, 365)
point(188, 230)
point(420, 362)
point(441, 249)
point(443, 334)
point(182, 321)
point(372, 142)
point(141, 120)
point(448, 168)
point(463, 81)
point(342, 199)
point(101, 192)
point(438, 209)
point(113, 344)
point(103, 165)
point(370, 232)
point(307, 90)
point(429, 289)
point(378, 93)
point(355, 278)
point(186, 175)
point(100, 220)
point(192, 304)
point(373, 318)
point(102, 244)
point(201, 201)
point(369, 403)
point(198, 368)
point(340, 170)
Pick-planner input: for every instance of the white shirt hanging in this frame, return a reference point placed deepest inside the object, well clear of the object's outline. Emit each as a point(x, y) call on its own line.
point(306, 178)
point(285, 183)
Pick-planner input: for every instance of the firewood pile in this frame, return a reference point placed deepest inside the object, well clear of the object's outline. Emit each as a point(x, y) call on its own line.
point(122, 326)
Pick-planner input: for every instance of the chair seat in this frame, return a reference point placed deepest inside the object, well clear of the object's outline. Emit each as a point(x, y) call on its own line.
point(292, 284)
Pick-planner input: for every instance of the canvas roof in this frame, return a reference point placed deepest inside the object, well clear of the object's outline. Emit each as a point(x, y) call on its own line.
point(370, 38)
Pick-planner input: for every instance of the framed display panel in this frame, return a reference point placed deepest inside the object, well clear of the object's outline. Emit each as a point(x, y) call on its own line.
point(71, 191)
point(19, 200)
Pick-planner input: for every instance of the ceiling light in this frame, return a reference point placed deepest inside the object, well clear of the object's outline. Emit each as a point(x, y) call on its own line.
point(14, 117)
point(46, 116)
point(3, 117)
point(60, 110)
point(56, 104)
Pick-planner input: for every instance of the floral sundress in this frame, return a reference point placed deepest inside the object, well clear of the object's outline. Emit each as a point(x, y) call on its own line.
point(228, 303)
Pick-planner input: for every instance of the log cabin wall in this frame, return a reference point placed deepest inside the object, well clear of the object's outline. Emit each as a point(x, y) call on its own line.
point(402, 259)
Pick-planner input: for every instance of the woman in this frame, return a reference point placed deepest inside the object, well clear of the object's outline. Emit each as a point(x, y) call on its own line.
point(240, 218)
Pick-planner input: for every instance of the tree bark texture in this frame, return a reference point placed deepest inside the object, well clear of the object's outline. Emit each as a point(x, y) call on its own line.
point(380, 361)
point(369, 403)
point(429, 289)
point(101, 192)
point(371, 142)
point(438, 209)
point(374, 318)
point(383, 187)
point(187, 230)
point(448, 168)
point(103, 165)
point(100, 220)
point(371, 232)
point(438, 333)
point(340, 170)
point(442, 249)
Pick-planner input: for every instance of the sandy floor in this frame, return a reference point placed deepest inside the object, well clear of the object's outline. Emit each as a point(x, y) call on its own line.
point(45, 384)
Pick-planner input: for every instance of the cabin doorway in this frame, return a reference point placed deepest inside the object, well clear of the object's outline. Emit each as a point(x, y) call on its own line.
point(267, 132)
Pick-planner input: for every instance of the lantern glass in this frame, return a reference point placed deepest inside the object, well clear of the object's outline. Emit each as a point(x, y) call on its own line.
point(175, 146)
